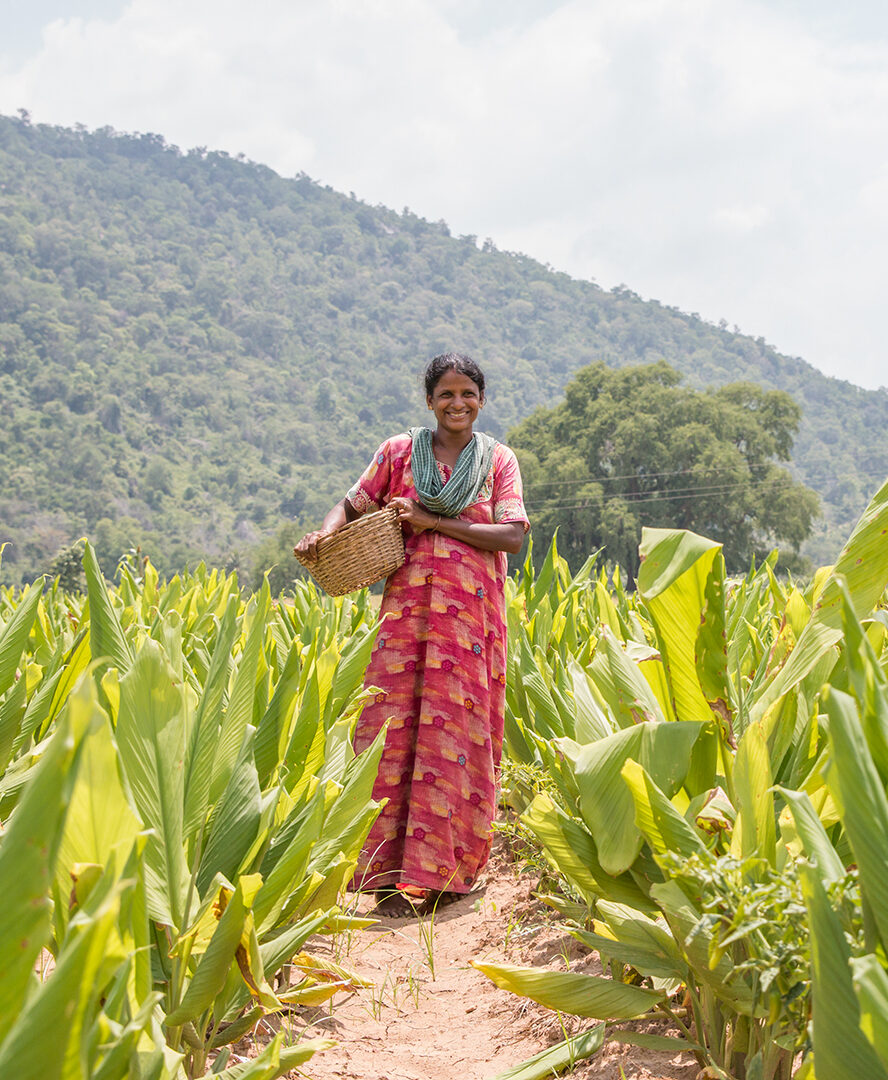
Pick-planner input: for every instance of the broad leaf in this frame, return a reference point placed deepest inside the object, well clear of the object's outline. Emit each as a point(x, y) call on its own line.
point(557, 1058)
point(871, 986)
point(841, 1051)
point(106, 637)
point(28, 852)
point(863, 564)
point(857, 789)
point(151, 740)
point(606, 804)
point(573, 992)
point(14, 635)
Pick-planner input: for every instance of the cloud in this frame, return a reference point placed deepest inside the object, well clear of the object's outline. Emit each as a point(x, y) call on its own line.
point(716, 154)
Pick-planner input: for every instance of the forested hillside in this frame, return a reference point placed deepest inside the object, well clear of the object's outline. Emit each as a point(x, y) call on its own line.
point(194, 350)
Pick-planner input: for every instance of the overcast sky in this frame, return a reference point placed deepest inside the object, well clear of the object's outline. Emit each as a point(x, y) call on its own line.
point(728, 157)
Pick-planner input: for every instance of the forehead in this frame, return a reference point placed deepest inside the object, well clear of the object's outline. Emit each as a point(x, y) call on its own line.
point(455, 382)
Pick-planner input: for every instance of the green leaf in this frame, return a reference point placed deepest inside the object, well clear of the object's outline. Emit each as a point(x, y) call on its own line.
point(640, 941)
point(282, 948)
point(622, 684)
point(869, 684)
point(99, 817)
point(573, 992)
point(695, 943)
point(73, 666)
point(557, 1058)
point(14, 635)
point(349, 675)
point(570, 848)
point(755, 831)
point(858, 792)
point(284, 869)
point(863, 564)
point(815, 841)
point(151, 741)
point(235, 821)
point(276, 1059)
point(28, 850)
point(273, 727)
point(664, 828)
point(215, 963)
point(591, 720)
point(12, 713)
point(204, 735)
point(243, 694)
point(871, 986)
point(106, 637)
point(841, 1051)
point(674, 582)
point(667, 1044)
point(63, 1006)
point(605, 802)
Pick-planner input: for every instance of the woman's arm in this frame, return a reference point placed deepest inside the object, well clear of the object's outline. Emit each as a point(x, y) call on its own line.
point(341, 513)
point(504, 536)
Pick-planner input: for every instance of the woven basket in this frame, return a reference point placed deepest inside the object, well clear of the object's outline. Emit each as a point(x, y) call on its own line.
point(359, 554)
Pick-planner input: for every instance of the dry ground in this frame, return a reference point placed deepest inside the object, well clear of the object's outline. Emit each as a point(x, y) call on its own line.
point(422, 1024)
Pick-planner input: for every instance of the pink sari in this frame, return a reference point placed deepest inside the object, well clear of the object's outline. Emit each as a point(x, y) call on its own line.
point(440, 664)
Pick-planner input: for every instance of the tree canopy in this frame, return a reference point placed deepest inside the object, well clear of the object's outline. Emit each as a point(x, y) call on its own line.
point(195, 352)
point(633, 447)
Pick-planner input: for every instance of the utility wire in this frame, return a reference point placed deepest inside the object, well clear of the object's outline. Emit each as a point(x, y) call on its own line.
point(686, 494)
point(595, 479)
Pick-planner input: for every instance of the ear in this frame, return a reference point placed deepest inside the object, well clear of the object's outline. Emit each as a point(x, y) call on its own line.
point(429, 400)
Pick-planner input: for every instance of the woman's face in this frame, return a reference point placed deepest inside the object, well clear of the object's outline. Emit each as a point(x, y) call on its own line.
point(455, 402)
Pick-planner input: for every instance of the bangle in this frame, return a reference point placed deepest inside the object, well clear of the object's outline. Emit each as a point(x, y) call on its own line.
point(437, 523)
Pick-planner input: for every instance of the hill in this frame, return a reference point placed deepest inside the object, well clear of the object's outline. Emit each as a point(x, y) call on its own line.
point(195, 350)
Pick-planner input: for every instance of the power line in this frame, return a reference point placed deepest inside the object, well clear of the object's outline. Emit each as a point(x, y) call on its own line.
point(595, 479)
point(685, 494)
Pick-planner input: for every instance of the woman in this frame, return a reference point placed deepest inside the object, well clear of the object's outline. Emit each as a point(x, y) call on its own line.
point(440, 658)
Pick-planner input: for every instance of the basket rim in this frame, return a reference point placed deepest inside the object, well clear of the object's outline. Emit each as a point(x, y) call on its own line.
point(332, 569)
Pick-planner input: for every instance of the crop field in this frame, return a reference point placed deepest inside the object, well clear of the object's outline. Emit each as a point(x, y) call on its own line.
point(698, 767)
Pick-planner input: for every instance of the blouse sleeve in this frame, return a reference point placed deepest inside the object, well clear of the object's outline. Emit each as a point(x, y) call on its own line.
point(372, 489)
point(508, 497)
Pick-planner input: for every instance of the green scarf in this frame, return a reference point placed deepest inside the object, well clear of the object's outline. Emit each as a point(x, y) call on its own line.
point(466, 480)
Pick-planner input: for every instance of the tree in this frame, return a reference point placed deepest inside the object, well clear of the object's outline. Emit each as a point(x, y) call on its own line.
point(67, 566)
point(632, 447)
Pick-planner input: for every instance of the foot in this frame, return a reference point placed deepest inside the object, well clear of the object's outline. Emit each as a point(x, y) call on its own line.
point(395, 904)
point(435, 900)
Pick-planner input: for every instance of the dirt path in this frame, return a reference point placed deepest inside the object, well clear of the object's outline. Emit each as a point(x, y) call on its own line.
point(431, 1016)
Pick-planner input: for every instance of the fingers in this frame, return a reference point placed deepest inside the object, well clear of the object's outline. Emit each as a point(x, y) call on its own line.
point(307, 547)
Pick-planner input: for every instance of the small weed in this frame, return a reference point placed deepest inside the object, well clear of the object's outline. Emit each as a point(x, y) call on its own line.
point(425, 925)
point(377, 996)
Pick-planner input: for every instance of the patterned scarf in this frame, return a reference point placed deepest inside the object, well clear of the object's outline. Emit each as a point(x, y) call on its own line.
point(466, 480)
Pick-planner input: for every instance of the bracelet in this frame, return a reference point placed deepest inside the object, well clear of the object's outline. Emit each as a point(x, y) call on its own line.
point(437, 523)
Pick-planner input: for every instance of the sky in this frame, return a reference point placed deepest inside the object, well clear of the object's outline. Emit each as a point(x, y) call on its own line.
point(727, 157)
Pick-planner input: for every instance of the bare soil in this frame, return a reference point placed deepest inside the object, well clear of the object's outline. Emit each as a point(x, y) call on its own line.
point(431, 1016)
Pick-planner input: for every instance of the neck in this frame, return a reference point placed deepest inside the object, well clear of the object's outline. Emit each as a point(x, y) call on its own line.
point(448, 441)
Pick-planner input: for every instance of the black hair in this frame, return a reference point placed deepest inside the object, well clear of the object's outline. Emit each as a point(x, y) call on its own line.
point(450, 361)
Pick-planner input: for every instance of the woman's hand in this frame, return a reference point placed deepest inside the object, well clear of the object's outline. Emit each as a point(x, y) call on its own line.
point(414, 514)
point(342, 512)
point(308, 545)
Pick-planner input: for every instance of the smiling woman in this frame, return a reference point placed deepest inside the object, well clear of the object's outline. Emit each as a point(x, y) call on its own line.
point(440, 660)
